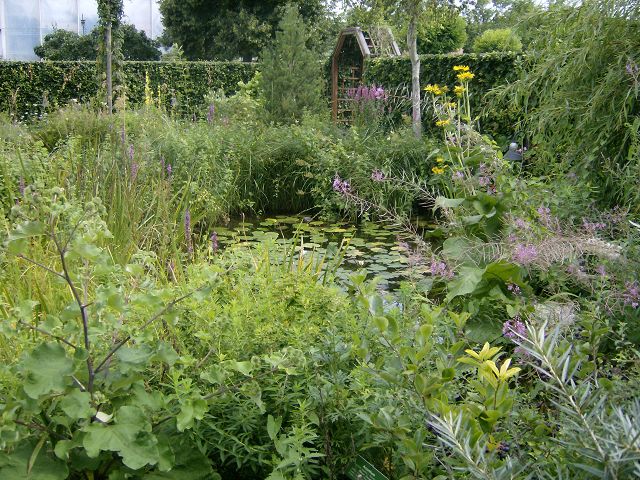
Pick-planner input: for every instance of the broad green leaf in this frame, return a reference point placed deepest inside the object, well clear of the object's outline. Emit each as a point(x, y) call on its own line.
point(465, 282)
point(190, 410)
point(46, 369)
point(134, 358)
point(130, 436)
point(14, 466)
point(455, 248)
point(443, 202)
point(273, 426)
point(77, 405)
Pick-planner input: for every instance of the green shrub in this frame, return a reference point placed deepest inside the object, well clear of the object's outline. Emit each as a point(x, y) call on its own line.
point(30, 89)
point(497, 40)
point(441, 32)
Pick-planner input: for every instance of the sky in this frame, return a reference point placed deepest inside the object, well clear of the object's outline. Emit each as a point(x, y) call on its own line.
point(24, 22)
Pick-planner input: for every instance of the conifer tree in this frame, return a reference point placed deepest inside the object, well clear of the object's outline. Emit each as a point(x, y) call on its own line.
point(291, 80)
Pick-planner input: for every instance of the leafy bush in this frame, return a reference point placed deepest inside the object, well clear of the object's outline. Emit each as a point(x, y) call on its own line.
point(497, 40)
point(441, 32)
point(30, 89)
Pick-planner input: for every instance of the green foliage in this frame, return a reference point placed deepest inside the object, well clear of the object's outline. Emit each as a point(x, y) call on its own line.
point(586, 58)
point(291, 81)
point(228, 30)
point(441, 31)
point(30, 89)
point(491, 71)
point(497, 40)
point(69, 46)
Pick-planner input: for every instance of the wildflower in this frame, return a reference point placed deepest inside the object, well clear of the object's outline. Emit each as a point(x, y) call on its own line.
point(513, 288)
point(131, 152)
point(443, 123)
point(377, 176)
point(341, 186)
point(214, 242)
point(545, 216)
point(631, 295)
point(600, 270)
point(211, 113)
point(187, 230)
point(134, 171)
point(169, 170)
point(440, 269)
point(457, 175)
point(438, 170)
point(22, 186)
point(434, 89)
point(520, 224)
point(525, 254)
point(484, 181)
point(514, 328)
point(459, 90)
point(592, 227)
point(465, 76)
point(439, 159)
point(452, 105)
point(461, 68)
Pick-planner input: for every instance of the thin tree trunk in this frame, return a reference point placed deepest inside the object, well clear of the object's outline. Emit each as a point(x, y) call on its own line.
point(412, 43)
point(109, 55)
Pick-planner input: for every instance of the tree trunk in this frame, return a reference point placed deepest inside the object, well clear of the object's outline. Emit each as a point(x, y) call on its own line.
point(109, 59)
point(412, 43)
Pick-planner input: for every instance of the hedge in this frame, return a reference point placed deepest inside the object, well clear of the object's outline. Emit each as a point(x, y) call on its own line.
point(27, 89)
point(491, 70)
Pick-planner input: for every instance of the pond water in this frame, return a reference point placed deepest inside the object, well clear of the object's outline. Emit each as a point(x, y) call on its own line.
point(377, 249)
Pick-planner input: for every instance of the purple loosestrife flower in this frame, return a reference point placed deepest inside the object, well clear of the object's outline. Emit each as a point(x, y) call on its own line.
point(592, 227)
point(341, 186)
point(377, 176)
point(211, 113)
point(214, 242)
point(169, 170)
point(458, 175)
point(631, 294)
point(520, 224)
point(525, 254)
point(187, 230)
point(131, 152)
point(600, 270)
point(514, 328)
point(484, 181)
point(545, 216)
point(134, 171)
point(513, 288)
point(440, 269)
point(22, 186)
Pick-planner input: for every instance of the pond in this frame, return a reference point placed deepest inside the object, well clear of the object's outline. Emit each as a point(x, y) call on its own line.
point(378, 249)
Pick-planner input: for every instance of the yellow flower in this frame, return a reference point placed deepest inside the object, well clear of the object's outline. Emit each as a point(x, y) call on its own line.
point(459, 90)
point(438, 170)
point(439, 159)
point(443, 123)
point(435, 89)
point(465, 76)
point(460, 68)
point(452, 105)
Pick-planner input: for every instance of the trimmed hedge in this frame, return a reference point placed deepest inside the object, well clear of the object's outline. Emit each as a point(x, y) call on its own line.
point(490, 69)
point(28, 89)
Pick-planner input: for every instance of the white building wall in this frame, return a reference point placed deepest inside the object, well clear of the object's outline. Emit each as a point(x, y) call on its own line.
point(24, 23)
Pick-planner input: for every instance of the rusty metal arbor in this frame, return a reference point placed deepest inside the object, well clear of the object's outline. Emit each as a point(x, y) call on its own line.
point(354, 46)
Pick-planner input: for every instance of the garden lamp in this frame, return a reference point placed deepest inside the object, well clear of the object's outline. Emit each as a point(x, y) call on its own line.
point(513, 154)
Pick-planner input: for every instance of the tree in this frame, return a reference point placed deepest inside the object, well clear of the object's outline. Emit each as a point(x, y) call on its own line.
point(110, 17)
point(441, 30)
point(228, 29)
point(291, 80)
point(66, 45)
point(497, 40)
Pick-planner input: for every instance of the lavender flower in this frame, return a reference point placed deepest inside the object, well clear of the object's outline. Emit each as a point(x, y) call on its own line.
point(341, 186)
point(377, 176)
point(631, 295)
point(214, 242)
point(457, 175)
point(211, 113)
point(525, 254)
